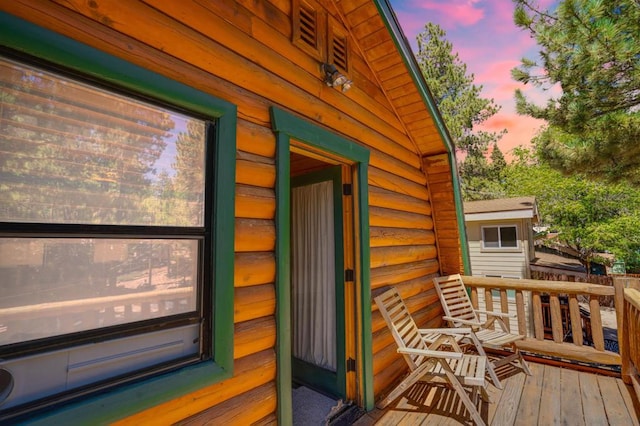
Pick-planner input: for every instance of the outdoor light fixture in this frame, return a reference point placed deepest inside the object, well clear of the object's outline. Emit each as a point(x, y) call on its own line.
point(333, 78)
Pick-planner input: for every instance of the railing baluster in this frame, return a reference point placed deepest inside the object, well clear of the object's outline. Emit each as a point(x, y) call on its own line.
point(522, 319)
point(596, 323)
point(504, 305)
point(488, 301)
point(556, 318)
point(576, 320)
point(538, 325)
point(474, 297)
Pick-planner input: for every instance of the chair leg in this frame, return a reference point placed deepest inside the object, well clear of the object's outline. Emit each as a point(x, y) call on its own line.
point(490, 369)
point(523, 363)
point(406, 383)
point(484, 394)
point(471, 408)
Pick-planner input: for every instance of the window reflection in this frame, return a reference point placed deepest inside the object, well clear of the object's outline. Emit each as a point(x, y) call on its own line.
point(73, 153)
point(53, 286)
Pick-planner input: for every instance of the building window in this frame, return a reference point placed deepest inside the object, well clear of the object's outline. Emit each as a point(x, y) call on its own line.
point(107, 234)
point(499, 237)
point(511, 294)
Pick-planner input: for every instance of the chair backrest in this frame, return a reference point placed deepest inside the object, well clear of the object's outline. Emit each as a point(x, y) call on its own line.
point(454, 298)
point(403, 328)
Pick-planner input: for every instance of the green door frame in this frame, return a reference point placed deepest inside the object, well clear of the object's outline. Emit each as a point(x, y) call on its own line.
point(286, 127)
point(325, 380)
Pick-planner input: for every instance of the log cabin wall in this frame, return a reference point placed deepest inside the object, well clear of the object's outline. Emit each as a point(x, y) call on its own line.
point(441, 187)
point(243, 52)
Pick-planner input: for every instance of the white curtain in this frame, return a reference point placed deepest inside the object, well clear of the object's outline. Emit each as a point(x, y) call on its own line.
point(313, 274)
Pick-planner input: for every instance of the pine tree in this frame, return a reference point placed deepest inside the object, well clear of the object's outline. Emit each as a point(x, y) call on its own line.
point(461, 106)
point(591, 49)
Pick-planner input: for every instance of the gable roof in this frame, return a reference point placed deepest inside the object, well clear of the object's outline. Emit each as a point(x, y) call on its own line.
point(385, 47)
point(388, 53)
point(502, 208)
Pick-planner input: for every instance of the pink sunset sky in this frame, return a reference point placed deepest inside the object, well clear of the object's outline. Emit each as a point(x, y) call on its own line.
point(483, 34)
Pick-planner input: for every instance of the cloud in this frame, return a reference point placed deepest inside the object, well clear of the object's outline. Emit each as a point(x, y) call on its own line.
point(521, 129)
point(412, 23)
point(451, 13)
point(505, 93)
point(502, 13)
point(539, 96)
point(496, 72)
point(489, 43)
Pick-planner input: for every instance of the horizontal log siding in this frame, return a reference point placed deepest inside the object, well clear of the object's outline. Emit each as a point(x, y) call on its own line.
point(250, 372)
point(244, 409)
point(440, 186)
point(241, 52)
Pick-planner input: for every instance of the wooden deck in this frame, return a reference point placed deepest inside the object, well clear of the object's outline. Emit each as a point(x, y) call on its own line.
point(550, 396)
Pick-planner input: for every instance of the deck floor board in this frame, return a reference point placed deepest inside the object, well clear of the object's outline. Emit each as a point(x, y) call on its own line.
point(592, 403)
point(551, 395)
point(507, 406)
point(551, 398)
point(570, 397)
point(529, 407)
point(614, 405)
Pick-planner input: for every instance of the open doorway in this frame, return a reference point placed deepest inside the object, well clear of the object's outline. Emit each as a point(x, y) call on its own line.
point(303, 148)
point(317, 276)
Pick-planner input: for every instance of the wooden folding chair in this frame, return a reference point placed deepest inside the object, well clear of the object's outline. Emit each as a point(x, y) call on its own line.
point(420, 349)
point(459, 312)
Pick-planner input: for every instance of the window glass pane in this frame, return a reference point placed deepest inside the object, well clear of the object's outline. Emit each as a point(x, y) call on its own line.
point(511, 294)
point(490, 237)
point(72, 153)
point(54, 286)
point(508, 237)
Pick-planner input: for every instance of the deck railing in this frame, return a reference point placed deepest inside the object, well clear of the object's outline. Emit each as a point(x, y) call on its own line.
point(629, 331)
point(62, 317)
point(525, 297)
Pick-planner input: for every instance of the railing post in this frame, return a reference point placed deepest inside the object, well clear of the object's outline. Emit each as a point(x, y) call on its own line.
point(623, 337)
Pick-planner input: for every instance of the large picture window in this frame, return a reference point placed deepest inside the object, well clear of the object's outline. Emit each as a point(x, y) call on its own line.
point(106, 233)
point(500, 237)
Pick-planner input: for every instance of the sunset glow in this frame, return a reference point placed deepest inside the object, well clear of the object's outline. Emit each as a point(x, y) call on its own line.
point(486, 39)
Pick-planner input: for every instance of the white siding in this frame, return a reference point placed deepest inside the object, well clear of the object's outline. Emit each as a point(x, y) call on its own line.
point(512, 262)
point(508, 263)
point(513, 323)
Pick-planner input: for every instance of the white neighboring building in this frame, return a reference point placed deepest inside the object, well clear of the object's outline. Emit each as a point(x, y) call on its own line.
point(501, 245)
point(500, 235)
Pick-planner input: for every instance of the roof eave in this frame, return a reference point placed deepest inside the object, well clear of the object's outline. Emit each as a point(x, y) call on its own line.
point(393, 26)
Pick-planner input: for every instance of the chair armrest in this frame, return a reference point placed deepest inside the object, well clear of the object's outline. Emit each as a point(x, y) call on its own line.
point(496, 314)
point(430, 354)
point(461, 321)
point(452, 331)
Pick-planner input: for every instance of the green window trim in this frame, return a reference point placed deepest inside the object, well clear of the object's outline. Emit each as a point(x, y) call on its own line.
point(288, 126)
point(127, 399)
